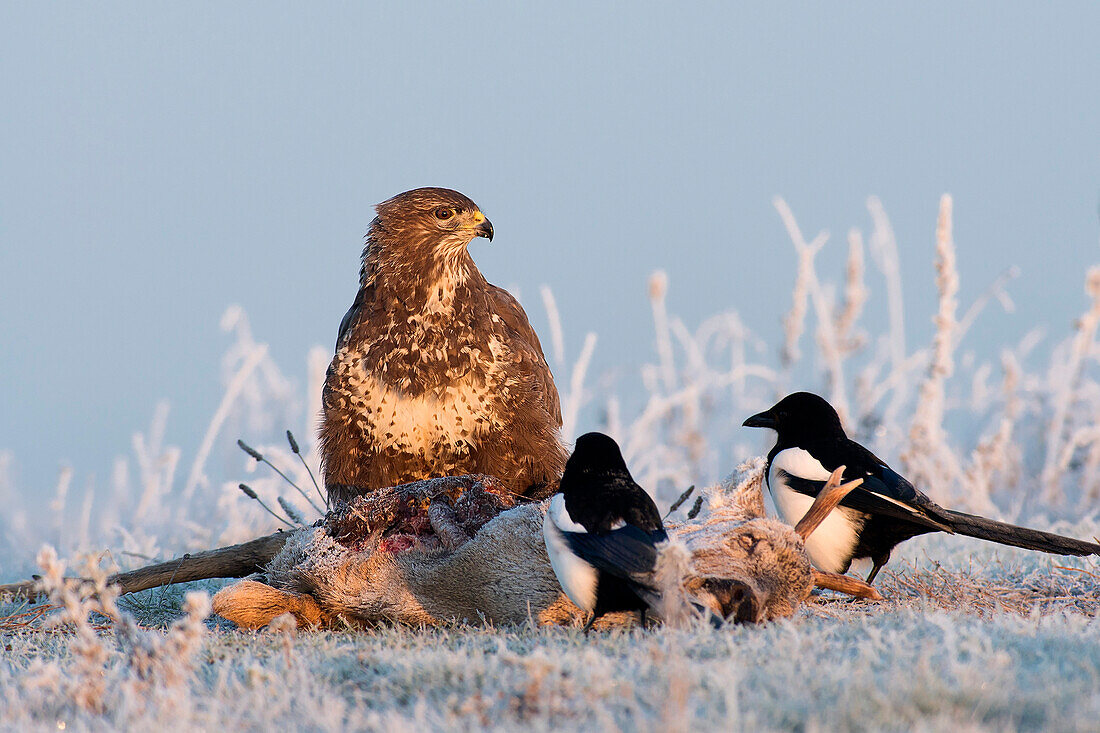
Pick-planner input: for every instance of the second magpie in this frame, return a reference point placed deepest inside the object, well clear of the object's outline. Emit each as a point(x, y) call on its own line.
point(874, 518)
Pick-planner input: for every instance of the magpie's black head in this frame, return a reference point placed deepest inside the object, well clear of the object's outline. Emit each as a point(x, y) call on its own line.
point(800, 418)
point(594, 454)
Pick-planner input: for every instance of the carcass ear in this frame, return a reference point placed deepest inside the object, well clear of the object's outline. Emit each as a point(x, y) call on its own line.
point(845, 584)
point(827, 499)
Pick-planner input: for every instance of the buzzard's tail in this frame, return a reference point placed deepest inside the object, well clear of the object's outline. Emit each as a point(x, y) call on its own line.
point(1010, 534)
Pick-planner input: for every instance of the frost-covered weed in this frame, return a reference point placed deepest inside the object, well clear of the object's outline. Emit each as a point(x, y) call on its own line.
point(102, 660)
point(1016, 437)
point(971, 636)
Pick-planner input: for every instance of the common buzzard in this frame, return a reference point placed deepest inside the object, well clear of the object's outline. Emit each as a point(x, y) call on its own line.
point(436, 372)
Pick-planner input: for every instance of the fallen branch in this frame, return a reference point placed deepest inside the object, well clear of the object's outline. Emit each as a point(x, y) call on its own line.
point(235, 561)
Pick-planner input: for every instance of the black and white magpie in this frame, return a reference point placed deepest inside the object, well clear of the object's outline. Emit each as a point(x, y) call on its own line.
point(602, 532)
point(874, 518)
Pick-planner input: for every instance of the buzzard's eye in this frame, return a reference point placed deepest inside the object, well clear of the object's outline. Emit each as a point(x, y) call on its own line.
point(444, 213)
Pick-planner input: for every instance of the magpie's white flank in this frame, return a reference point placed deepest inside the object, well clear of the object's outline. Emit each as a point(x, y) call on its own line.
point(577, 578)
point(874, 518)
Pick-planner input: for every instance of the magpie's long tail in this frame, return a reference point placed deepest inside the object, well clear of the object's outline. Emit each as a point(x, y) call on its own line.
point(1010, 534)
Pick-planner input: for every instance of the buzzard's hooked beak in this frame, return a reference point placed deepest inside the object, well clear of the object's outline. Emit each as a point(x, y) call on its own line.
point(485, 229)
point(760, 420)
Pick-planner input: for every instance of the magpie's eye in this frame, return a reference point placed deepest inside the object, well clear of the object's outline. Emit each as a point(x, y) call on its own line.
point(443, 213)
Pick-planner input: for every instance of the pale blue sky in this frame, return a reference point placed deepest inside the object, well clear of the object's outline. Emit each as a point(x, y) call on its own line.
point(159, 162)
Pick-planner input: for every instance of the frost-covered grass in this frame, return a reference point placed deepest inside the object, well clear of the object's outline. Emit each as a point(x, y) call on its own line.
point(912, 670)
point(970, 636)
point(916, 661)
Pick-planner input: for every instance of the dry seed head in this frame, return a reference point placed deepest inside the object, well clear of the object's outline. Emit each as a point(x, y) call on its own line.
point(284, 623)
point(1092, 283)
point(291, 512)
point(250, 450)
point(196, 604)
point(694, 511)
point(658, 285)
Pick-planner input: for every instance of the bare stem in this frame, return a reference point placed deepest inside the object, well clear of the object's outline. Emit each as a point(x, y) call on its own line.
point(294, 448)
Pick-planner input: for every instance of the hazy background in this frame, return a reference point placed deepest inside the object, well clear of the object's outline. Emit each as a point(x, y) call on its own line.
point(160, 163)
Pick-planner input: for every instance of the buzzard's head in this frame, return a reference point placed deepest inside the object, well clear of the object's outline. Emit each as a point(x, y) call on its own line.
point(429, 222)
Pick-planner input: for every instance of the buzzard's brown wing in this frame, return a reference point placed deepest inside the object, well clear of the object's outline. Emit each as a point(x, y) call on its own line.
point(526, 345)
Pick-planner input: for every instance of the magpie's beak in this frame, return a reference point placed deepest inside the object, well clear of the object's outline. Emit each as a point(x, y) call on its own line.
point(485, 229)
point(760, 420)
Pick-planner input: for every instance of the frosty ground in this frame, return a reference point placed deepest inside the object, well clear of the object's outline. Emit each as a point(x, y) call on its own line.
point(978, 638)
point(970, 636)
